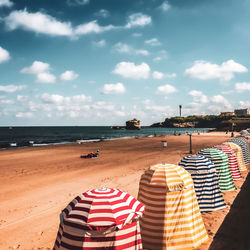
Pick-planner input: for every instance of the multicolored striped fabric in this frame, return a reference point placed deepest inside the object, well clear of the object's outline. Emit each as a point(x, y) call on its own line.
point(232, 161)
point(244, 148)
point(247, 142)
point(205, 179)
point(220, 162)
point(172, 218)
point(237, 149)
point(104, 218)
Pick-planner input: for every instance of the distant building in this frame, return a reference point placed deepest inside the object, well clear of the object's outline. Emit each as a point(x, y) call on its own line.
point(242, 111)
point(226, 113)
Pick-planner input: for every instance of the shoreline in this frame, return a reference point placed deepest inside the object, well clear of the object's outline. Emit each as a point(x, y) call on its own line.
point(17, 138)
point(38, 182)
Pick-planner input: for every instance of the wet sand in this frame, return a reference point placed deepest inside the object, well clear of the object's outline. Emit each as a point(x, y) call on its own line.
point(37, 183)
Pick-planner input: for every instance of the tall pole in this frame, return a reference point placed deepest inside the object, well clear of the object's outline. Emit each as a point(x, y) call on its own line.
point(190, 142)
point(232, 133)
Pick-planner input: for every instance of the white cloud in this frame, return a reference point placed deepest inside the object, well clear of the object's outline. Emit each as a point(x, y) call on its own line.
point(4, 55)
point(203, 104)
point(61, 100)
point(117, 88)
point(242, 86)
point(221, 100)
point(165, 6)
point(24, 115)
point(41, 70)
point(45, 24)
point(157, 59)
point(158, 75)
point(7, 101)
point(125, 48)
point(5, 3)
point(138, 20)
point(205, 70)
point(142, 52)
point(198, 96)
point(38, 22)
point(36, 68)
point(77, 2)
point(166, 89)
point(45, 77)
point(147, 102)
point(92, 27)
point(102, 13)
point(12, 88)
point(100, 44)
point(120, 113)
point(153, 42)
point(244, 104)
point(21, 98)
point(100, 105)
point(68, 75)
point(130, 70)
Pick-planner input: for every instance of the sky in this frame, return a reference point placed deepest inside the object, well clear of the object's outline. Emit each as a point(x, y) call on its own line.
point(103, 62)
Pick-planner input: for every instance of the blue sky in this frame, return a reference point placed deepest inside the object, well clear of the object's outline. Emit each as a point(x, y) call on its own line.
point(102, 62)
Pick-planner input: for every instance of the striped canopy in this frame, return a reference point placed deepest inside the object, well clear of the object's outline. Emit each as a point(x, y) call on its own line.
point(232, 161)
point(100, 218)
point(237, 149)
point(220, 162)
point(247, 142)
point(172, 218)
point(244, 148)
point(205, 179)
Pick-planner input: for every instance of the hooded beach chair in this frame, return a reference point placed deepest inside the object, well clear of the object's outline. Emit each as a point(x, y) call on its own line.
point(247, 142)
point(104, 218)
point(220, 162)
point(237, 149)
point(205, 180)
point(244, 148)
point(172, 218)
point(232, 161)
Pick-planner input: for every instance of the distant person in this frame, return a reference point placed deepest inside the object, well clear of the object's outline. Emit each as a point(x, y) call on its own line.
point(91, 155)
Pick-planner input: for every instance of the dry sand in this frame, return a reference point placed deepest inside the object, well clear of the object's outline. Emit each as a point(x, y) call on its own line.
point(37, 183)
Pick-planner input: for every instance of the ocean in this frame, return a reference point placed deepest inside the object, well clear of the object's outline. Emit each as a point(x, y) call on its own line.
point(11, 137)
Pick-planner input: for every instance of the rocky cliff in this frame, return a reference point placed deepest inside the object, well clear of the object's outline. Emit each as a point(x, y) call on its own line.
point(133, 124)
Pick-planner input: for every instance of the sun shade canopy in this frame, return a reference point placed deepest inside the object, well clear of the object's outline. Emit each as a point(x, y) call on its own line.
point(220, 161)
point(100, 218)
point(205, 179)
point(172, 218)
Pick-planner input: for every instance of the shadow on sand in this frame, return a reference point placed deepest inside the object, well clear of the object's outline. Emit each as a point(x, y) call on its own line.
point(234, 232)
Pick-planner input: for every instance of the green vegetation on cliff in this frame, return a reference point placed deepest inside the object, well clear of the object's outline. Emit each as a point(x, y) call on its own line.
point(207, 121)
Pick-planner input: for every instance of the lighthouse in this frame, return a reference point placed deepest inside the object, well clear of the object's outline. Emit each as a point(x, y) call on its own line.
point(180, 109)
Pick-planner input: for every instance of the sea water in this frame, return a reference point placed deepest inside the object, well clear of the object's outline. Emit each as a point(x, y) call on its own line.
point(38, 136)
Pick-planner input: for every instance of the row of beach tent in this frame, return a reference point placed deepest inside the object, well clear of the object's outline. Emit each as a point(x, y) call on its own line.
point(167, 213)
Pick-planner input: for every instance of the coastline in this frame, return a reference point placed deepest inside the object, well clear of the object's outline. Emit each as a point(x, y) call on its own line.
point(37, 182)
point(19, 137)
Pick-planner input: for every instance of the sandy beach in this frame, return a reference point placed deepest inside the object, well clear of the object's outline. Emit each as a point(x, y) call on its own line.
point(38, 182)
